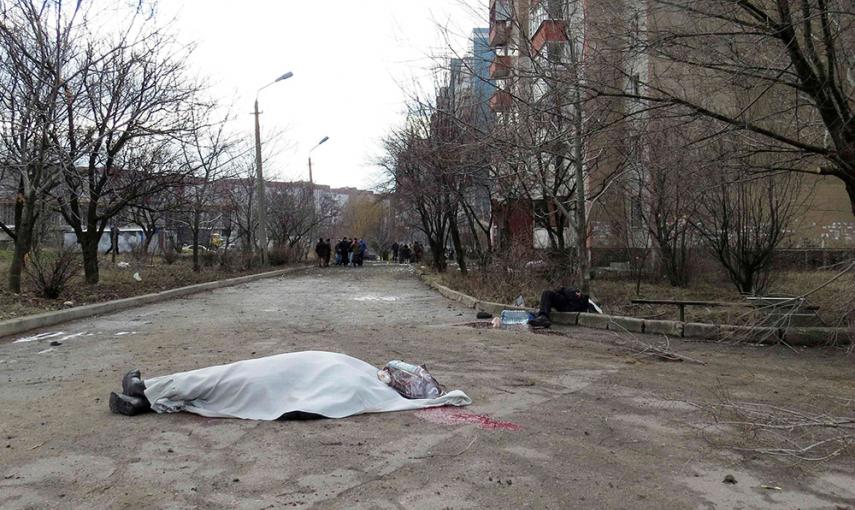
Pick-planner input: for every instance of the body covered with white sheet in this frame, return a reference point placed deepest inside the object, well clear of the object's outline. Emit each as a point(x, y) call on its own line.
point(329, 384)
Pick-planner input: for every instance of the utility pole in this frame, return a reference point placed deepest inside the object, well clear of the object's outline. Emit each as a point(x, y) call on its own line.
point(259, 190)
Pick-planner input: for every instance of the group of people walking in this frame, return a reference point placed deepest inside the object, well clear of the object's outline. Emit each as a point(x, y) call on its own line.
point(352, 251)
point(347, 252)
point(405, 254)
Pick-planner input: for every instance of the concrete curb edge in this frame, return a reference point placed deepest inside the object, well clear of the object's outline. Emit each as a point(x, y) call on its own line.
point(20, 325)
point(799, 336)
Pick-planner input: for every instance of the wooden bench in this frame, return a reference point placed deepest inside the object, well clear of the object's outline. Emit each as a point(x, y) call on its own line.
point(681, 304)
point(774, 308)
point(794, 310)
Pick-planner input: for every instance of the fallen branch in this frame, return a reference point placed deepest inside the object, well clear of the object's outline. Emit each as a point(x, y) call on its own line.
point(792, 433)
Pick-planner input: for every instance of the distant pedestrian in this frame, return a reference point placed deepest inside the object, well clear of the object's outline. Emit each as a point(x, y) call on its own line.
point(418, 251)
point(319, 252)
point(395, 251)
point(341, 252)
point(405, 254)
point(363, 249)
point(114, 242)
point(327, 253)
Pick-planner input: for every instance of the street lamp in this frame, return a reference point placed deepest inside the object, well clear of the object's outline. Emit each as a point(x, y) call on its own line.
point(259, 186)
point(312, 182)
point(324, 139)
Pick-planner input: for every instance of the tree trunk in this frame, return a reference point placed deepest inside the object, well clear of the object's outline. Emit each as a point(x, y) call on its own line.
point(850, 190)
point(23, 243)
point(458, 247)
point(147, 242)
point(437, 250)
point(89, 248)
point(196, 266)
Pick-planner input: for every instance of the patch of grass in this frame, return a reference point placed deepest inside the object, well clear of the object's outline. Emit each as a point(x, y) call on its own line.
point(116, 283)
point(836, 300)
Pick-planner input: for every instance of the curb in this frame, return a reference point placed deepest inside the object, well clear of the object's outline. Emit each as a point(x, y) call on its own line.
point(15, 326)
point(800, 336)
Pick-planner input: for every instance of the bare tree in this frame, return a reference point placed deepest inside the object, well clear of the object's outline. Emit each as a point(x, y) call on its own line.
point(207, 156)
point(135, 97)
point(743, 218)
point(420, 179)
point(780, 72)
point(40, 72)
point(668, 195)
point(296, 212)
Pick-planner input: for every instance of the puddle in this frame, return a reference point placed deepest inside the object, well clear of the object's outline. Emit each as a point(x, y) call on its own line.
point(40, 336)
point(453, 416)
point(123, 333)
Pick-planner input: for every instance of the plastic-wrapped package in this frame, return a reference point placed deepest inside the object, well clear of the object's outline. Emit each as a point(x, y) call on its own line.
point(411, 381)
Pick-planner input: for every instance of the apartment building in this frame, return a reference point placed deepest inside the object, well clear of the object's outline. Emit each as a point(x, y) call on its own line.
point(545, 49)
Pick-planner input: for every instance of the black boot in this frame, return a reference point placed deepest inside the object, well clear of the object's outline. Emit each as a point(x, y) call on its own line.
point(133, 385)
point(541, 321)
point(128, 406)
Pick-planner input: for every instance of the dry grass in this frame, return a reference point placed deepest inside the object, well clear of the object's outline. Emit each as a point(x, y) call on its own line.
point(116, 283)
point(836, 300)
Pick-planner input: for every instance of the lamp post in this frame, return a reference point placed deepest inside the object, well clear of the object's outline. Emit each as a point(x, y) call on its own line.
point(259, 185)
point(312, 182)
point(324, 139)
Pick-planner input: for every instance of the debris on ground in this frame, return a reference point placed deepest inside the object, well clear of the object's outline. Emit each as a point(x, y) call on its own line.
point(411, 381)
point(729, 479)
point(483, 315)
point(519, 301)
point(55, 343)
point(123, 265)
point(137, 277)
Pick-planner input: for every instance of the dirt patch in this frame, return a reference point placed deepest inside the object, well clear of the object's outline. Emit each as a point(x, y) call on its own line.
point(116, 283)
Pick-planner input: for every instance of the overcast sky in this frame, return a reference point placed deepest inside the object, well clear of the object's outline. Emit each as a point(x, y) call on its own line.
point(350, 61)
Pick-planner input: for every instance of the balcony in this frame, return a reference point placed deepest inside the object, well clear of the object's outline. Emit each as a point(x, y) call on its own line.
point(499, 33)
point(500, 101)
point(500, 67)
point(500, 10)
point(551, 30)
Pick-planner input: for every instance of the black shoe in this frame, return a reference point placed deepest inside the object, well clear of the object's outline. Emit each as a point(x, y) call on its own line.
point(128, 406)
point(133, 385)
point(126, 380)
point(541, 321)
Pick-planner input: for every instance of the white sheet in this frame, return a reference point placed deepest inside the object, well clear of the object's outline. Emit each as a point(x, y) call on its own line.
point(330, 384)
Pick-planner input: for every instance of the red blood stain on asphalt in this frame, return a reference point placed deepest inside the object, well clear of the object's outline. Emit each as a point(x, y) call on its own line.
point(454, 416)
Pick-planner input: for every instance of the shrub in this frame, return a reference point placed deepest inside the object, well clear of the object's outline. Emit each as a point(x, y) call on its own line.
point(50, 273)
point(249, 260)
point(208, 258)
point(169, 255)
point(281, 255)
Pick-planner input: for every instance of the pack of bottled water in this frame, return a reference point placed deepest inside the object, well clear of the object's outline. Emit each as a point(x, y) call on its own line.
point(514, 319)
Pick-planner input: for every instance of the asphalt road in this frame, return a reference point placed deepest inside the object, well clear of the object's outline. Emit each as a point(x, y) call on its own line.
point(558, 421)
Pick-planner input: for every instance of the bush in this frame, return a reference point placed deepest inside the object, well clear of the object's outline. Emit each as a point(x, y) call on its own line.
point(249, 260)
point(281, 255)
point(50, 273)
point(227, 261)
point(208, 258)
point(169, 255)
